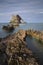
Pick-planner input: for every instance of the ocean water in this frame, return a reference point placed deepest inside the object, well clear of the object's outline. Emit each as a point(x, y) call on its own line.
point(35, 26)
point(36, 47)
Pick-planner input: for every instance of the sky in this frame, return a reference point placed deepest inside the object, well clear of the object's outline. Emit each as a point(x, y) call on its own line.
point(31, 11)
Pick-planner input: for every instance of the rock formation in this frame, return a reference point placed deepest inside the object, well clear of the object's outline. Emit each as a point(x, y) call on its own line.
point(16, 20)
point(8, 28)
point(21, 34)
point(14, 51)
point(36, 34)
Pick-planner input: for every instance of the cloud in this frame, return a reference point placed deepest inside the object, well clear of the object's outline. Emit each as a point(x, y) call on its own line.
point(20, 6)
point(41, 12)
point(29, 11)
point(26, 8)
point(14, 12)
point(8, 5)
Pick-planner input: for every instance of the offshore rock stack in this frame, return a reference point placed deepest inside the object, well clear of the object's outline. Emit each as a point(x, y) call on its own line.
point(14, 22)
point(14, 51)
point(8, 28)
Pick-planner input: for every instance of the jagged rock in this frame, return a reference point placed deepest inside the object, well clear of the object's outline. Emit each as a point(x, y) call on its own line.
point(8, 28)
point(16, 20)
point(21, 34)
point(15, 50)
point(35, 34)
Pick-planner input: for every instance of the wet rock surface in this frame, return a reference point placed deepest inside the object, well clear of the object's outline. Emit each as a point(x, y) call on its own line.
point(36, 34)
point(14, 51)
point(8, 28)
point(14, 22)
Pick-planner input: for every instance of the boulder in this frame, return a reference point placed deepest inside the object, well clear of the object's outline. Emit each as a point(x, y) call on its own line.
point(21, 34)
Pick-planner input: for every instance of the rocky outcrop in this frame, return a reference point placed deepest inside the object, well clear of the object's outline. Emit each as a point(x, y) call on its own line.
point(8, 28)
point(14, 51)
point(36, 34)
point(21, 34)
point(16, 20)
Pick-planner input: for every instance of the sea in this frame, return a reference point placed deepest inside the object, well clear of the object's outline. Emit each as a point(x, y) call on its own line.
point(34, 26)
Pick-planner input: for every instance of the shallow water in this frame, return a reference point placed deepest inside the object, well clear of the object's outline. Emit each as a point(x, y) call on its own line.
point(36, 48)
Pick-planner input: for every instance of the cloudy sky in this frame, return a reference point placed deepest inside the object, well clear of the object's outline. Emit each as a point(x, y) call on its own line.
point(30, 10)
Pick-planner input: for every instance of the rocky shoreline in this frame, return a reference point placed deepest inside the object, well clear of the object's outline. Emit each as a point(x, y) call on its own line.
point(36, 34)
point(14, 51)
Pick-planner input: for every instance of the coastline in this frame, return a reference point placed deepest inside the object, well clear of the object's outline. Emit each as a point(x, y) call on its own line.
point(16, 48)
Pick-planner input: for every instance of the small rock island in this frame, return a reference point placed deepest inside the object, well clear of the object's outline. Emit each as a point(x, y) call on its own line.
point(14, 22)
point(8, 28)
